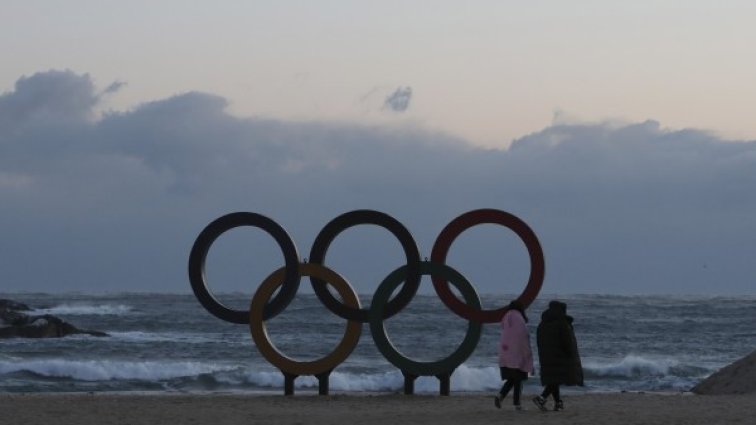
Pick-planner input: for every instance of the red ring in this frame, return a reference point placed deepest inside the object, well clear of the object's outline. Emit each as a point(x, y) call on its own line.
point(464, 222)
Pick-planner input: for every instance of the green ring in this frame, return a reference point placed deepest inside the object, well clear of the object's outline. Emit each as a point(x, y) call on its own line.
point(382, 341)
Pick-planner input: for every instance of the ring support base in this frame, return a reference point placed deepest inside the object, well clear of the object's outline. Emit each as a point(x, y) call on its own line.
point(323, 382)
point(444, 383)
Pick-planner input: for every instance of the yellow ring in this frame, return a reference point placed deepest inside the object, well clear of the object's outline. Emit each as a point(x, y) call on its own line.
point(271, 353)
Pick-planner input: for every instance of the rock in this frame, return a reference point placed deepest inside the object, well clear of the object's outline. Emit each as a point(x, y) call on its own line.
point(21, 325)
point(12, 318)
point(737, 378)
point(12, 305)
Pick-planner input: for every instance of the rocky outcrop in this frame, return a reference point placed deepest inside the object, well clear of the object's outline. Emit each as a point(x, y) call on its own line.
point(737, 378)
point(12, 305)
point(15, 324)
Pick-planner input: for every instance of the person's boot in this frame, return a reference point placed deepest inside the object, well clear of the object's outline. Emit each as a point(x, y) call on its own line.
point(540, 402)
point(558, 405)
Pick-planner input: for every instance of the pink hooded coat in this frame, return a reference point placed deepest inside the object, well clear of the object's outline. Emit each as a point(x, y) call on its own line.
point(514, 345)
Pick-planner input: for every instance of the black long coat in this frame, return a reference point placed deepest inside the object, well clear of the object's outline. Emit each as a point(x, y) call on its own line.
point(557, 349)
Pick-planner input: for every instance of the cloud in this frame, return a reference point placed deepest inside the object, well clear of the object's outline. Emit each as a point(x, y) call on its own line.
point(114, 87)
point(114, 202)
point(47, 98)
point(399, 100)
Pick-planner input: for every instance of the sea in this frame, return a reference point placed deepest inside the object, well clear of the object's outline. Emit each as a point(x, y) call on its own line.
point(170, 343)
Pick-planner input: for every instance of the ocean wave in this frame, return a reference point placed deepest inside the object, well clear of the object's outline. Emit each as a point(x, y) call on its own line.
point(83, 309)
point(208, 376)
point(106, 370)
point(185, 338)
point(464, 378)
point(234, 376)
point(634, 366)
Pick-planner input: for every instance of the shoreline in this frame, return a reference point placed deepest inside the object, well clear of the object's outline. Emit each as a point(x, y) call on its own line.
point(566, 391)
point(310, 408)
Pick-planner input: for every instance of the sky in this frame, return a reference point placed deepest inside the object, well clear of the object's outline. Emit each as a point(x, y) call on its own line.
point(621, 132)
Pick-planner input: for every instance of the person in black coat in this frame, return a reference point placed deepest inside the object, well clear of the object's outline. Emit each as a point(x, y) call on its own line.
point(557, 353)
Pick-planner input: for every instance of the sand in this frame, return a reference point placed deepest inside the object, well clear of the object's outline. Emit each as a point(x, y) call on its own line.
point(219, 409)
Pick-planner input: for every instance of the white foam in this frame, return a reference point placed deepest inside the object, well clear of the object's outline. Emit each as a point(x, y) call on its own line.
point(139, 336)
point(463, 379)
point(83, 309)
point(632, 366)
point(105, 370)
point(656, 373)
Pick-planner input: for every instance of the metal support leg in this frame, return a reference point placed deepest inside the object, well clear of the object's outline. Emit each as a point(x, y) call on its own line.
point(323, 382)
point(409, 383)
point(444, 383)
point(289, 383)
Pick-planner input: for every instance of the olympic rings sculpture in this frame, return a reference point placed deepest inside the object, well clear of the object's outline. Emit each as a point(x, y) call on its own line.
point(264, 306)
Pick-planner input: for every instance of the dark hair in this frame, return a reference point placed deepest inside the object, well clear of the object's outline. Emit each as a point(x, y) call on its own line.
point(517, 305)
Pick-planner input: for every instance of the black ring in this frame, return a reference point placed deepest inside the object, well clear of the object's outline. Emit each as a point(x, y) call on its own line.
point(199, 254)
point(353, 218)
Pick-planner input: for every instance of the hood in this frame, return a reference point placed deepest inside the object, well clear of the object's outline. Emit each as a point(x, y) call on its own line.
point(557, 310)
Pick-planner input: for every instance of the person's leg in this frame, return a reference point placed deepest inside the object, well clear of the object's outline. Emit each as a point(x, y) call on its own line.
point(558, 405)
point(517, 392)
point(505, 388)
point(540, 400)
point(547, 391)
point(503, 393)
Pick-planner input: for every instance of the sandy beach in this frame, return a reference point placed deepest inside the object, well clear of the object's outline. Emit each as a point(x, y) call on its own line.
point(218, 409)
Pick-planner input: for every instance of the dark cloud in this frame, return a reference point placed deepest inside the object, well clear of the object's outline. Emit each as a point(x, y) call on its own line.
point(114, 87)
point(114, 203)
point(399, 100)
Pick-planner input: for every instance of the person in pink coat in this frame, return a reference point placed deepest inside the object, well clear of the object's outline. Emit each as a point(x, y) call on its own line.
point(515, 356)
